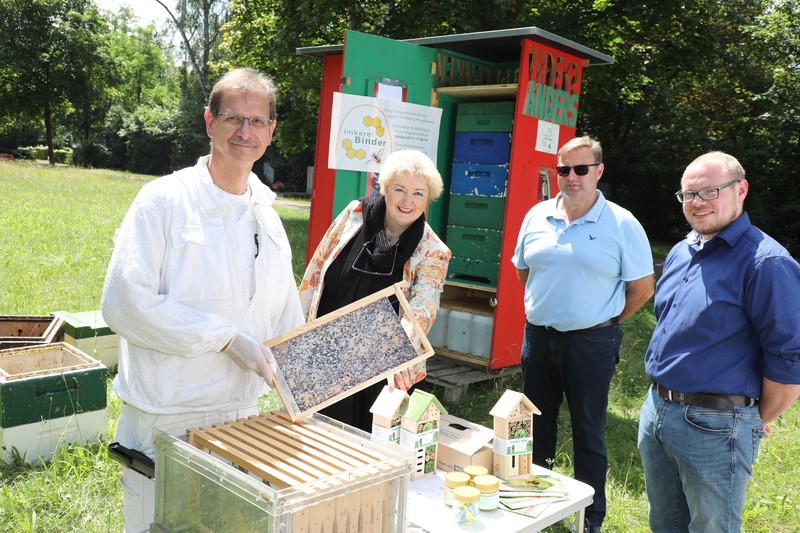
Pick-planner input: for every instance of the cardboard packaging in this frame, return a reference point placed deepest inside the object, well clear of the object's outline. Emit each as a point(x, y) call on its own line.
point(463, 443)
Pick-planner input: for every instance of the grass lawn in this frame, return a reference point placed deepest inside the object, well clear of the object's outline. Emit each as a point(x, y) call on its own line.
point(56, 229)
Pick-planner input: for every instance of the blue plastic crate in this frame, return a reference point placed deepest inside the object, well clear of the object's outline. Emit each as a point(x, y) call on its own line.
point(478, 180)
point(482, 147)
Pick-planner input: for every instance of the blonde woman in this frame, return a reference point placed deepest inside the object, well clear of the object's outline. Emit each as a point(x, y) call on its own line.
point(373, 244)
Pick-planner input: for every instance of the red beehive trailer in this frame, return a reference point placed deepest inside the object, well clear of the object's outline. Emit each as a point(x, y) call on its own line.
point(509, 99)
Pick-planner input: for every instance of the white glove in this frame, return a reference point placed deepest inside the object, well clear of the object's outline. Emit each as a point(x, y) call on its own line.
point(250, 354)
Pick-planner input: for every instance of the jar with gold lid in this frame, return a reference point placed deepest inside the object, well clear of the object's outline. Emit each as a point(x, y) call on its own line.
point(475, 470)
point(466, 504)
point(452, 481)
point(489, 487)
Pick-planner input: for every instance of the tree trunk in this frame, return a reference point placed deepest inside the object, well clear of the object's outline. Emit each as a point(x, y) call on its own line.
point(48, 128)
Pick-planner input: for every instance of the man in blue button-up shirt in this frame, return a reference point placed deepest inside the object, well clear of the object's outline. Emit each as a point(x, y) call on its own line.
point(724, 358)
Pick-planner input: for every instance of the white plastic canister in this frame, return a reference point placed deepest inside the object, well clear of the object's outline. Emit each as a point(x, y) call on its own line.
point(438, 333)
point(480, 337)
point(458, 331)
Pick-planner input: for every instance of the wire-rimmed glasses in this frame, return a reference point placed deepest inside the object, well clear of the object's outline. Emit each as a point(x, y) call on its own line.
point(234, 121)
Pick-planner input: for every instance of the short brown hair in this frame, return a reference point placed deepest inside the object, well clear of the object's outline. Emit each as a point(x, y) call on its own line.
point(583, 142)
point(245, 80)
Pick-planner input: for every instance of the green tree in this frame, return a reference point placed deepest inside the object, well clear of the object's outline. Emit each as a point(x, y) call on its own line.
point(687, 78)
point(50, 55)
point(140, 123)
point(198, 22)
point(265, 34)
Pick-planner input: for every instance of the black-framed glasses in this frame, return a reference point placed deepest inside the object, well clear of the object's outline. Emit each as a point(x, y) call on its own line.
point(234, 121)
point(709, 193)
point(370, 272)
point(580, 170)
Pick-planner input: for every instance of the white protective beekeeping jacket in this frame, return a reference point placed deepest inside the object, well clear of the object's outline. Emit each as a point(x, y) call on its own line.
point(173, 294)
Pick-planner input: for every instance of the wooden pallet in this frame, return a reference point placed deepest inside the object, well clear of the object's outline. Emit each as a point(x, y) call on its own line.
point(455, 377)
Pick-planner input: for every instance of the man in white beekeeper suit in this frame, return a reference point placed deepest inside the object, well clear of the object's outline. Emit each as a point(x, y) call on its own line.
point(200, 277)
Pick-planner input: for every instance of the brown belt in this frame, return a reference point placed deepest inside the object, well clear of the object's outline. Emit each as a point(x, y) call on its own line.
point(700, 399)
point(597, 326)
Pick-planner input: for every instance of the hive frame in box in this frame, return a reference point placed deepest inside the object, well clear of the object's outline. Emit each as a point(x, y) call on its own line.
point(51, 328)
point(319, 474)
point(11, 369)
point(374, 337)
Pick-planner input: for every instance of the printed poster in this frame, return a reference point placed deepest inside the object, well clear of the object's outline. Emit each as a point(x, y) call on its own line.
point(365, 130)
point(547, 137)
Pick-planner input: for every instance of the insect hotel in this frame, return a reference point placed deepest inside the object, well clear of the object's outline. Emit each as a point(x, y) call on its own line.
point(513, 434)
point(419, 430)
point(296, 470)
point(386, 415)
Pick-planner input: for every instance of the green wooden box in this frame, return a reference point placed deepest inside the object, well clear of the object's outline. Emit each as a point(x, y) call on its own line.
point(47, 382)
point(468, 270)
point(476, 211)
point(474, 243)
point(485, 116)
point(88, 332)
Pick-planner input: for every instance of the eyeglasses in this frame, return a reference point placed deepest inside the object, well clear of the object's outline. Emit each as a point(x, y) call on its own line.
point(709, 193)
point(580, 170)
point(233, 121)
point(363, 271)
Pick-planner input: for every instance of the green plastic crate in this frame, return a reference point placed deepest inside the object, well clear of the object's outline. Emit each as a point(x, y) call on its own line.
point(476, 211)
point(473, 270)
point(485, 116)
point(474, 243)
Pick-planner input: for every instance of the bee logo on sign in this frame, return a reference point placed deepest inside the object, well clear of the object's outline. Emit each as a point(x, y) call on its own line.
point(365, 130)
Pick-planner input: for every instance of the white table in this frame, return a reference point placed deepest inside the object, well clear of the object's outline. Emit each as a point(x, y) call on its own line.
point(426, 509)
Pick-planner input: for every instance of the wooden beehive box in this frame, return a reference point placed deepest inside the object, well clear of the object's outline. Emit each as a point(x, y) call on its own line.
point(513, 434)
point(50, 394)
point(266, 473)
point(345, 351)
point(21, 331)
point(88, 331)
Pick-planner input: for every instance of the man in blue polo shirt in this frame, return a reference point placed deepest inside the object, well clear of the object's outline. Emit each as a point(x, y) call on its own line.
point(587, 266)
point(724, 358)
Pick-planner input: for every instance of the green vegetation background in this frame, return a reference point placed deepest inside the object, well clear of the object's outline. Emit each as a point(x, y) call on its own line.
point(56, 230)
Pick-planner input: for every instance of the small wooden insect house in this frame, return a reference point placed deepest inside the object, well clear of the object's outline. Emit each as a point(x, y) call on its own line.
point(386, 415)
point(513, 434)
point(419, 430)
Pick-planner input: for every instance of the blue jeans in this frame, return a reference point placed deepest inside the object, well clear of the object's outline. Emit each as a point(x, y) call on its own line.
point(579, 366)
point(697, 462)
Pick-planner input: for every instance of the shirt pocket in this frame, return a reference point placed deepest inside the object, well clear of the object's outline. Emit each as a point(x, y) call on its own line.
point(200, 266)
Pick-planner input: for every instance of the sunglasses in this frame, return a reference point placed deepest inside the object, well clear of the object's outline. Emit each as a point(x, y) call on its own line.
point(580, 170)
